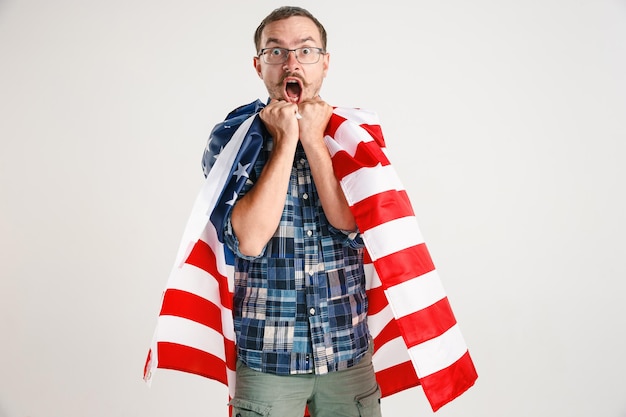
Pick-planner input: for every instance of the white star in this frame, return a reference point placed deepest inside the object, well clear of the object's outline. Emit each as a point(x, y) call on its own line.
point(234, 199)
point(241, 171)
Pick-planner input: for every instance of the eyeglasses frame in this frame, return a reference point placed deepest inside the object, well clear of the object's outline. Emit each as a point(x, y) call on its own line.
point(320, 52)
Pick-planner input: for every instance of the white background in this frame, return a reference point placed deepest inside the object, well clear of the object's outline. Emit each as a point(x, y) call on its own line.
point(504, 119)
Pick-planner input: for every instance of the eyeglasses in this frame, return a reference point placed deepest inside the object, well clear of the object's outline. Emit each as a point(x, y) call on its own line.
point(306, 55)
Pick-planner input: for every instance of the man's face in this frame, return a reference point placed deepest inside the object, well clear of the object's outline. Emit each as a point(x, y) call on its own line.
point(292, 81)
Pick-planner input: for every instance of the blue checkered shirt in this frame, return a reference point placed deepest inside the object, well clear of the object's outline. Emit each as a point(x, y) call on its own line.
point(300, 307)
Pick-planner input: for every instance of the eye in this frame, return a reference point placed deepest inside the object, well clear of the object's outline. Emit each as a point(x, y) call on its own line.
point(306, 51)
point(276, 51)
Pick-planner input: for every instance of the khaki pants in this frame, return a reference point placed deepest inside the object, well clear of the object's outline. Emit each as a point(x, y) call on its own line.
point(349, 393)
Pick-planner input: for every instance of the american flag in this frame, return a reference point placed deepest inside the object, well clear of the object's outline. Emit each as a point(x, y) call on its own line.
point(417, 340)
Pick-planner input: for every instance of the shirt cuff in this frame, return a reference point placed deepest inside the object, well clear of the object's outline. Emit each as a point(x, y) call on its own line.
point(233, 243)
point(352, 238)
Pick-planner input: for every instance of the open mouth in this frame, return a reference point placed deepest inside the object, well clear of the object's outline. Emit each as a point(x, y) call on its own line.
point(293, 90)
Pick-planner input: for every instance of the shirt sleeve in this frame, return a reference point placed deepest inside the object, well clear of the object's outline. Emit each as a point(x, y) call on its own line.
point(233, 243)
point(353, 239)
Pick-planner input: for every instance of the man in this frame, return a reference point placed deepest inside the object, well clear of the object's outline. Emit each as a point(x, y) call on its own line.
point(300, 306)
point(268, 292)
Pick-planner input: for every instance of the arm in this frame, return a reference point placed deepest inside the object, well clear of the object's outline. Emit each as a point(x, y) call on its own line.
point(256, 215)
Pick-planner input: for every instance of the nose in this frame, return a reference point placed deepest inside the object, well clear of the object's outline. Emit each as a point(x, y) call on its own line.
point(291, 63)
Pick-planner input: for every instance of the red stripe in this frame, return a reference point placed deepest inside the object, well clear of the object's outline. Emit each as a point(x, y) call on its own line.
point(397, 378)
point(427, 323)
point(367, 154)
point(195, 361)
point(381, 208)
point(404, 265)
point(389, 332)
point(445, 385)
point(333, 124)
point(376, 300)
point(193, 307)
point(202, 256)
point(370, 154)
point(376, 132)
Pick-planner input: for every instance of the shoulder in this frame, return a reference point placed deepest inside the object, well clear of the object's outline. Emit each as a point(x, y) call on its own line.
point(246, 110)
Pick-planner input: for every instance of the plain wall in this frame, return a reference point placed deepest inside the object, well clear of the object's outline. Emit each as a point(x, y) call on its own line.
point(504, 119)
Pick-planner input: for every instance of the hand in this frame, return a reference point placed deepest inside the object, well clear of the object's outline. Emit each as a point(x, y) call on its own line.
point(279, 117)
point(315, 116)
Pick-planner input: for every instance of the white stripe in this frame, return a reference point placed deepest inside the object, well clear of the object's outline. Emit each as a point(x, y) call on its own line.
point(390, 354)
point(228, 327)
point(196, 281)
point(369, 181)
point(189, 333)
point(392, 236)
point(438, 353)
point(230, 277)
point(349, 135)
point(415, 294)
point(377, 322)
point(358, 116)
point(332, 145)
point(230, 377)
point(372, 280)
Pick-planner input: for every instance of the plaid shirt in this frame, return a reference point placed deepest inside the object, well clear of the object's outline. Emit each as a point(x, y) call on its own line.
point(300, 307)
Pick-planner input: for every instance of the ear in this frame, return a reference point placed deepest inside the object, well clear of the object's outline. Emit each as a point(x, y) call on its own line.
point(256, 62)
point(326, 62)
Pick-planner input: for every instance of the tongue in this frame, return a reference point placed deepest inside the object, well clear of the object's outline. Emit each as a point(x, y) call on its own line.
point(293, 91)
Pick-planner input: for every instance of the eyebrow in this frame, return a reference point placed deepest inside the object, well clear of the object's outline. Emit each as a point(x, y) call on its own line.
point(278, 41)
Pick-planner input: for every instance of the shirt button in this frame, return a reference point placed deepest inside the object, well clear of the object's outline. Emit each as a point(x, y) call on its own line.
point(309, 233)
point(312, 311)
point(311, 272)
point(305, 196)
point(302, 161)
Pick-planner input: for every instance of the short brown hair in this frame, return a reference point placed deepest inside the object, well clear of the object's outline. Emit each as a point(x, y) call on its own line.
point(283, 13)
